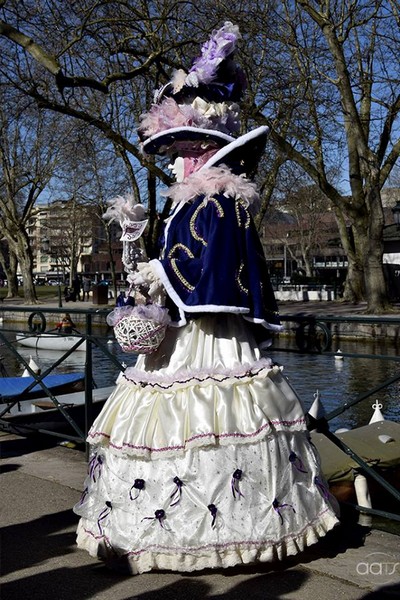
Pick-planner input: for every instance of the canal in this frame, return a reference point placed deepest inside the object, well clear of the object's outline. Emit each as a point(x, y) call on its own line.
point(337, 381)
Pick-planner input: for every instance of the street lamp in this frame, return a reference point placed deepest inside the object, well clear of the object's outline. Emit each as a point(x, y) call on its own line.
point(46, 249)
point(396, 213)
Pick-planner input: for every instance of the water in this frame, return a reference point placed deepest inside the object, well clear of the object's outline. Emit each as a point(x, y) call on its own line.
point(105, 371)
point(343, 381)
point(337, 381)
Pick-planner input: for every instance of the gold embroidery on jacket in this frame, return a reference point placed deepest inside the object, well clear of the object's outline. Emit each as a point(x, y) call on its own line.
point(171, 254)
point(193, 229)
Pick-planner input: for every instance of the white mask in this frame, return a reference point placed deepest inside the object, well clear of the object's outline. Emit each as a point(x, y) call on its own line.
point(177, 168)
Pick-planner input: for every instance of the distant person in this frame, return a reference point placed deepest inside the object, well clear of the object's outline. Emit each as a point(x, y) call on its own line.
point(69, 294)
point(86, 288)
point(124, 299)
point(66, 325)
point(77, 288)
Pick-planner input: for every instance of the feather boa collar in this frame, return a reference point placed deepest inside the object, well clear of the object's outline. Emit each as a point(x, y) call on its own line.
point(211, 181)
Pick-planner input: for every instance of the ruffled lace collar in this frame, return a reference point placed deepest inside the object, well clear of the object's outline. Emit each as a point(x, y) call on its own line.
point(211, 181)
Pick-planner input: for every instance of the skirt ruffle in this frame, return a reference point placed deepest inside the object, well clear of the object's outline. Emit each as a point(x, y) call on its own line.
point(215, 389)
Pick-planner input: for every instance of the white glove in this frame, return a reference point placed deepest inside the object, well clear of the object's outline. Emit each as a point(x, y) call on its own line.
point(146, 276)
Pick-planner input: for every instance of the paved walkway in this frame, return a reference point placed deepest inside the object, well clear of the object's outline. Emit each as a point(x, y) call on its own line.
point(333, 307)
point(42, 481)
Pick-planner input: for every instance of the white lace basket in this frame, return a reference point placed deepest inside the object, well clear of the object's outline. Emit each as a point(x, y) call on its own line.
point(138, 335)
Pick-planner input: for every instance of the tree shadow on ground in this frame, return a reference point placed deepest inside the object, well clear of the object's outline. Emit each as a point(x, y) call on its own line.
point(51, 538)
point(18, 446)
point(27, 544)
point(93, 582)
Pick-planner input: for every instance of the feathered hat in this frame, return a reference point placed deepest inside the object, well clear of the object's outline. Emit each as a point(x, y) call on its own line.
point(199, 110)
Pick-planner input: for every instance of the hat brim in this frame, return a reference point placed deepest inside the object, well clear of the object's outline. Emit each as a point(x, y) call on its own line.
point(162, 142)
point(243, 154)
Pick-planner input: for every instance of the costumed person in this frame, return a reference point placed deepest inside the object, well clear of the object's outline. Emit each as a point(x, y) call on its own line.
point(201, 457)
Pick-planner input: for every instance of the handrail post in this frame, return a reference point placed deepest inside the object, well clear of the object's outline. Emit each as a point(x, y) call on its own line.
point(88, 380)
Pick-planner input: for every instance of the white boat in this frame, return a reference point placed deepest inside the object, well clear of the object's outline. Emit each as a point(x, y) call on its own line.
point(50, 341)
point(25, 388)
point(27, 416)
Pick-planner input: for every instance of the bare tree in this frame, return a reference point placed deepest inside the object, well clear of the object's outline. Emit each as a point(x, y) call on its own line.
point(27, 160)
point(307, 206)
point(344, 55)
point(322, 75)
point(124, 49)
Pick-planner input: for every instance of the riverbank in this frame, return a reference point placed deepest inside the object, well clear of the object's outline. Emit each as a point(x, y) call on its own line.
point(343, 319)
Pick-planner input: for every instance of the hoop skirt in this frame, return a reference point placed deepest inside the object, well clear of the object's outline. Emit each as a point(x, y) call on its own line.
point(201, 458)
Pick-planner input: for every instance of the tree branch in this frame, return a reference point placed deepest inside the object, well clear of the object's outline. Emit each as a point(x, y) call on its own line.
point(63, 81)
point(26, 42)
point(392, 114)
point(104, 127)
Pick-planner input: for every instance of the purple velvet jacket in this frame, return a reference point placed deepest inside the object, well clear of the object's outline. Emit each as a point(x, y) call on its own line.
point(212, 261)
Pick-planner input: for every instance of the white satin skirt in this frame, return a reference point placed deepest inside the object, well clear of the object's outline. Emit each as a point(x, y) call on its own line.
point(201, 458)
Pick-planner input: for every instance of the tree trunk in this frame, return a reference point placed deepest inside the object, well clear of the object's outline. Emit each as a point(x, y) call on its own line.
point(25, 260)
point(11, 272)
point(354, 284)
point(371, 245)
point(153, 232)
point(112, 261)
point(375, 284)
point(29, 288)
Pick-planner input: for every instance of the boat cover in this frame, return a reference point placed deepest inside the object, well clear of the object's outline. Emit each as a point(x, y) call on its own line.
point(11, 388)
point(364, 441)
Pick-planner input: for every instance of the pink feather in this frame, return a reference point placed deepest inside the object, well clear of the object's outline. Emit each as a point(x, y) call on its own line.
point(215, 180)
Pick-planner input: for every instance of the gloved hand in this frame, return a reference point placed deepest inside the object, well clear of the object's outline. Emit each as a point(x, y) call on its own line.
point(143, 275)
point(146, 276)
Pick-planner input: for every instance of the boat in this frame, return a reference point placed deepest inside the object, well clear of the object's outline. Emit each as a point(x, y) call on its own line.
point(378, 445)
point(26, 418)
point(50, 341)
point(18, 388)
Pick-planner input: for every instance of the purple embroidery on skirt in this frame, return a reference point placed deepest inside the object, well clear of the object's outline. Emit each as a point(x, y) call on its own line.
point(103, 515)
point(278, 506)
point(297, 462)
point(321, 486)
point(139, 485)
point(216, 436)
point(95, 467)
point(178, 490)
point(83, 495)
point(236, 477)
point(159, 516)
point(213, 510)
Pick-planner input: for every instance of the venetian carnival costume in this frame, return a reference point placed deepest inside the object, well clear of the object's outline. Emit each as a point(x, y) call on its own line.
point(201, 456)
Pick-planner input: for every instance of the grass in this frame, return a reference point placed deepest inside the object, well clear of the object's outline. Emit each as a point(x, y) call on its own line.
point(42, 291)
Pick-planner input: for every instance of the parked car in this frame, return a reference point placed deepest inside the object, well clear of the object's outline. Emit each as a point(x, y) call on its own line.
point(40, 281)
point(54, 282)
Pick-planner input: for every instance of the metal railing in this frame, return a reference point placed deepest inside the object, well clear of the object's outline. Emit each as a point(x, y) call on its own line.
point(314, 335)
point(84, 336)
point(311, 335)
